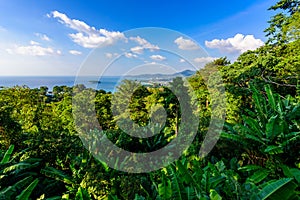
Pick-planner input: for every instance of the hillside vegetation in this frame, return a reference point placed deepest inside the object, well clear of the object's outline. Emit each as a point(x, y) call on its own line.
point(256, 157)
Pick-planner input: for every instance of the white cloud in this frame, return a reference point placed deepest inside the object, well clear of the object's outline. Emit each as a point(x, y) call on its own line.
point(137, 49)
point(108, 55)
point(34, 43)
point(238, 44)
point(111, 55)
point(43, 37)
point(130, 55)
point(158, 57)
point(182, 60)
point(139, 40)
point(74, 52)
point(186, 44)
point(33, 50)
point(144, 44)
point(204, 59)
point(87, 36)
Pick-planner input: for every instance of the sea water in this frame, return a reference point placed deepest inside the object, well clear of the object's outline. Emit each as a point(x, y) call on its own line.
point(107, 83)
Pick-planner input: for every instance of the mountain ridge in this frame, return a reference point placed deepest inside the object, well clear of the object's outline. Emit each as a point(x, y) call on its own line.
point(185, 73)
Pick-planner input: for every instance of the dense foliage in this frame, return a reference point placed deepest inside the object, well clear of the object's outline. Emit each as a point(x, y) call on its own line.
point(257, 156)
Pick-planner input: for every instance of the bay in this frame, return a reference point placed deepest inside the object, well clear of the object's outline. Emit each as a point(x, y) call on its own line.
point(107, 83)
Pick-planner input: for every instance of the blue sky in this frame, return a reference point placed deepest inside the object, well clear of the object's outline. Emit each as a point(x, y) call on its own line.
point(56, 37)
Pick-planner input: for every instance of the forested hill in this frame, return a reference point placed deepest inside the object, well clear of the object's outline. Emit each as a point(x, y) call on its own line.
point(256, 157)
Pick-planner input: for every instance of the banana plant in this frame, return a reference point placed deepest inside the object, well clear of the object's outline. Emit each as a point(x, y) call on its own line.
point(17, 178)
point(268, 140)
point(72, 182)
point(193, 180)
point(270, 131)
point(279, 189)
point(21, 178)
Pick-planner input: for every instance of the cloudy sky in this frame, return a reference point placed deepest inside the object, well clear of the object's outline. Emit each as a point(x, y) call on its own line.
point(62, 37)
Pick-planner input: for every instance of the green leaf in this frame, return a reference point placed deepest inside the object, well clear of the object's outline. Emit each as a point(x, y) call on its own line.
point(82, 194)
point(272, 187)
point(105, 166)
point(215, 181)
point(271, 98)
point(296, 174)
point(253, 124)
point(65, 196)
point(20, 166)
point(249, 168)
point(280, 107)
point(190, 192)
point(11, 191)
point(254, 138)
point(273, 149)
point(112, 197)
point(293, 134)
point(291, 172)
point(138, 197)
point(27, 192)
point(288, 141)
point(176, 185)
point(295, 113)
point(234, 137)
point(260, 105)
point(213, 195)
point(165, 188)
point(270, 126)
point(57, 175)
point(258, 176)
point(7, 155)
point(187, 175)
point(55, 198)
point(220, 166)
point(206, 178)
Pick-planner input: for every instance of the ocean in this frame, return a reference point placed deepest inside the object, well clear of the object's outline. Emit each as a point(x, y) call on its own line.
point(107, 83)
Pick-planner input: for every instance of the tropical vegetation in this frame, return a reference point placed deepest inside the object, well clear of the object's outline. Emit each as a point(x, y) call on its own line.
point(257, 156)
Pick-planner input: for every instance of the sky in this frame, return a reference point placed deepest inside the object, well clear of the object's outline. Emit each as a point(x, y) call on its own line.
point(60, 38)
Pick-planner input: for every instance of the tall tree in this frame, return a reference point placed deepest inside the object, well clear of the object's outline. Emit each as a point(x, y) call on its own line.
point(284, 26)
